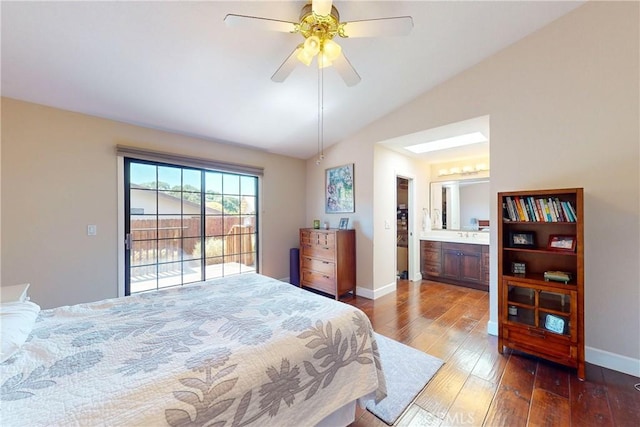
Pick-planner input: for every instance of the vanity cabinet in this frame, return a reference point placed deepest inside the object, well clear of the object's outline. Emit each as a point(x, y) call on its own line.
point(465, 264)
point(541, 284)
point(430, 258)
point(462, 262)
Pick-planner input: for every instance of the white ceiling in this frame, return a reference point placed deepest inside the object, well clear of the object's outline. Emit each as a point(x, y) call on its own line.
point(176, 66)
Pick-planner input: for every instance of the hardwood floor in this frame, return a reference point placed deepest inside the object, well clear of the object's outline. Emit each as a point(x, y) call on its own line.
point(477, 386)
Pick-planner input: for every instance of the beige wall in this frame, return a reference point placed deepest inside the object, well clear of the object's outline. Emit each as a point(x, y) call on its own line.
point(59, 174)
point(564, 112)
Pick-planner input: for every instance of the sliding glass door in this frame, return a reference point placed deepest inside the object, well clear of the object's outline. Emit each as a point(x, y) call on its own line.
point(186, 225)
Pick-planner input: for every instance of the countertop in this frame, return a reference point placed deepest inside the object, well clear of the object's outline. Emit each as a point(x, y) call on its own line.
point(471, 237)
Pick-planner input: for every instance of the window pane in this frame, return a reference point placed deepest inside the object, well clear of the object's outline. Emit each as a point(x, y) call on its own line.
point(143, 252)
point(191, 248)
point(191, 226)
point(249, 222)
point(191, 271)
point(214, 247)
point(169, 227)
point(191, 180)
point(213, 225)
point(170, 202)
point(169, 274)
point(169, 250)
point(231, 184)
point(169, 178)
point(231, 205)
point(215, 268)
point(248, 205)
point(144, 278)
point(248, 185)
point(143, 227)
point(142, 175)
point(191, 203)
point(213, 204)
point(213, 182)
point(143, 202)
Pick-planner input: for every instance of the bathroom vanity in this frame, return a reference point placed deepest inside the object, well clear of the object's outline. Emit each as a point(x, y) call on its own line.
point(460, 258)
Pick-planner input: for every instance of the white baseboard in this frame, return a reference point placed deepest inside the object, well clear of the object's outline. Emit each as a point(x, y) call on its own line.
point(376, 293)
point(492, 328)
point(614, 361)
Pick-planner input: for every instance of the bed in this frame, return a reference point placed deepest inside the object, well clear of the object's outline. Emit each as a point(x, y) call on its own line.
point(243, 350)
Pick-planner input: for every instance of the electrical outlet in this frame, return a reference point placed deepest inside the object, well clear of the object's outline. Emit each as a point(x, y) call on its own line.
point(92, 230)
point(387, 224)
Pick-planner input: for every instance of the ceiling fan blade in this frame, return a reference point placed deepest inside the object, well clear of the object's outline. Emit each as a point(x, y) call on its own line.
point(260, 23)
point(286, 67)
point(346, 71)
point(397, 26)
point(321, 7)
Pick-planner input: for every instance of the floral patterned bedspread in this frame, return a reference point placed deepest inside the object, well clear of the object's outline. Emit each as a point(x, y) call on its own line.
point(243, 350)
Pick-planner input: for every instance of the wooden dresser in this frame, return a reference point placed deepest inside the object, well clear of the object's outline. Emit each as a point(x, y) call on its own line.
point(328, 260)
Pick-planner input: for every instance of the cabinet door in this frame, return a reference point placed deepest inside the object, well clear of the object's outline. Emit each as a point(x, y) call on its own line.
point(471, 267)
point(450, 263)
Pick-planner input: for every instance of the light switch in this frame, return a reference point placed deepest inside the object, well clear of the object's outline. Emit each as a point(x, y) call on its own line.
point(92, 230)
point(387, 224)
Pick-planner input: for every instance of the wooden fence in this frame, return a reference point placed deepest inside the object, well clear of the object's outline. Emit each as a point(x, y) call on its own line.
point(175, 240)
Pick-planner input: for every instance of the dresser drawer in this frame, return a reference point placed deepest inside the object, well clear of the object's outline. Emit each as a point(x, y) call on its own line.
point(319, 281)
point(325, 267)
point(316, 251)
point(319, 238)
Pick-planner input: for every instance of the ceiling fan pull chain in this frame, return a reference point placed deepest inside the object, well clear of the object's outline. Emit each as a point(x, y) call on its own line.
point(320, 111)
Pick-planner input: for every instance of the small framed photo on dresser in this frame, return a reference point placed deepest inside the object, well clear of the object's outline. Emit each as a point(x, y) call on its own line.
point(344, 223)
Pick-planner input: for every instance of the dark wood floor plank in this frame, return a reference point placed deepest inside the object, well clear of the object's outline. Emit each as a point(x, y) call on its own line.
point(553, 378)
point(589, 404)
point(416, 416)
point(367, 419)
point(510, 406)
point(548, 409)
point(442, 390)
point(624, 399)
point(491, 364)
point(472, 403)
point(468, 353)
point(452, 339)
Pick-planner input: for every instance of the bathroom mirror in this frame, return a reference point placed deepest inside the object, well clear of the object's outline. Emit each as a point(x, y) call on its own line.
point(460, 204)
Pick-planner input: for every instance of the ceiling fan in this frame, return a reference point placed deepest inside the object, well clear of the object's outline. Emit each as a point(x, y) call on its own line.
point(318, 24)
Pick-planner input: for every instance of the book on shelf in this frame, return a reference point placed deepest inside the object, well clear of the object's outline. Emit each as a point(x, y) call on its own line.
point(531, 209)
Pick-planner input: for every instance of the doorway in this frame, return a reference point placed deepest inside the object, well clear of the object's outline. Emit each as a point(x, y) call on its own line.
point(402, 228)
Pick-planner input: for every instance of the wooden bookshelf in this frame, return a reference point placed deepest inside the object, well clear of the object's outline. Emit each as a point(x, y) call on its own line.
point(540, 317)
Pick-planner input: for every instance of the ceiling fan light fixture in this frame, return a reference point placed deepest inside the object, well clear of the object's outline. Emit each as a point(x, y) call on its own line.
point(304, 57)
point(312, 46)
point(331, 49)
point(324, 60)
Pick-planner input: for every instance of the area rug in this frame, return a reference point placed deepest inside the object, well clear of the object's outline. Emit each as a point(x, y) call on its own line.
point(406, 371)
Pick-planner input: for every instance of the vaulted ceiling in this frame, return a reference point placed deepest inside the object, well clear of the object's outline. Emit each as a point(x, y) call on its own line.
point(176, 66)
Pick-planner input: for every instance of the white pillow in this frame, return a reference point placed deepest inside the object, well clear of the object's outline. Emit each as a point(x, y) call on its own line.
point(16, 322)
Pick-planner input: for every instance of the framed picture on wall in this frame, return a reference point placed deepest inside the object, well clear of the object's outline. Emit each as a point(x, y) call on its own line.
point(339, 189)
